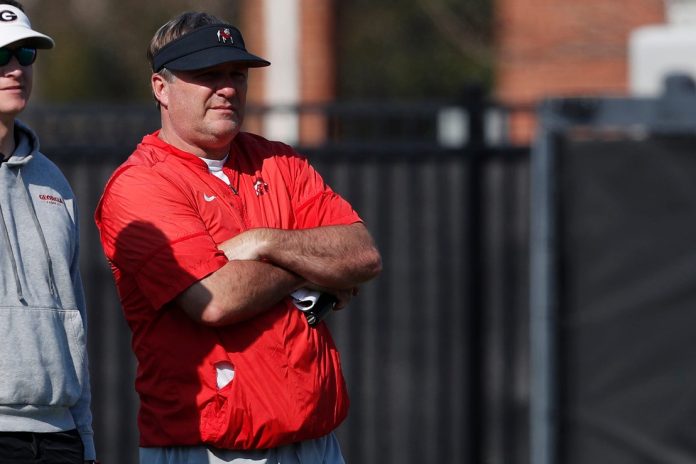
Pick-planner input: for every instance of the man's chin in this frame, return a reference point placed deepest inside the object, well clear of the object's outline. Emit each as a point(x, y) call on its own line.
point(12, 108)
point(226, 128)
point(221, 136)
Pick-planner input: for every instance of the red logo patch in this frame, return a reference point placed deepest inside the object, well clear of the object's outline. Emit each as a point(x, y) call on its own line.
point(224, 36)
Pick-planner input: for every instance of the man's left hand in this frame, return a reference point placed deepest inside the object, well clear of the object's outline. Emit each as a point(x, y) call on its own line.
point(344, 297)
point(244, 246)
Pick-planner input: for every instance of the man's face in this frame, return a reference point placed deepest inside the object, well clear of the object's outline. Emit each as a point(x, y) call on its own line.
point(205, 108)
point(15, 86)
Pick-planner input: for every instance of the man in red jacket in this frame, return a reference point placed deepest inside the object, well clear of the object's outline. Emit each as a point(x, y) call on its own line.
point(213, 234)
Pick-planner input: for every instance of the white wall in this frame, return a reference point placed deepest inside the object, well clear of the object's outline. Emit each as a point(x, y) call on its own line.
point(658, 50)
point(283, 76)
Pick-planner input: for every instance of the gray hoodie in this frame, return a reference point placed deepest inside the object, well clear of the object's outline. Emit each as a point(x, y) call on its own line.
point(44, 381)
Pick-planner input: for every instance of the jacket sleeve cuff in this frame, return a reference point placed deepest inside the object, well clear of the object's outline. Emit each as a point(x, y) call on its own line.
point(88, 442)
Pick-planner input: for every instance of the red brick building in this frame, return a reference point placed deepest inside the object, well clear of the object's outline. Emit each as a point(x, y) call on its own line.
point(564, 47)
point(543, 48)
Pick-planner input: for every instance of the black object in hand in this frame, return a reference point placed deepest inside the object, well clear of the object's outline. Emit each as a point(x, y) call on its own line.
point(325, 303)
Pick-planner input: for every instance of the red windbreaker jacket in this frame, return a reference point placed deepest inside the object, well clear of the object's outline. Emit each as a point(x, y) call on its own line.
point(160, 218)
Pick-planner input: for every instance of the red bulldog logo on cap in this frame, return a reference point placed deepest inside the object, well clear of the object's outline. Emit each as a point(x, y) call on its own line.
point(224, 36)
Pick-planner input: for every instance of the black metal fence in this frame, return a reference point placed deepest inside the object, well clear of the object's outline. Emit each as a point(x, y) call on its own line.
point(436, 349)
point(612, 279)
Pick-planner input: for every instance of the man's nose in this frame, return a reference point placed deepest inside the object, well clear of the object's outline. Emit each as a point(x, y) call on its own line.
point(227, 89)
point(12, 66)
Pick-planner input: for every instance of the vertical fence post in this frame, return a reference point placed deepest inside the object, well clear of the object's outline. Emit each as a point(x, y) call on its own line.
point(474, 104)
point(542, 297)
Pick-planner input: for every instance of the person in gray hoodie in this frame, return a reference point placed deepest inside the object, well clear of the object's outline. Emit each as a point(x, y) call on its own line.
point(45, 414)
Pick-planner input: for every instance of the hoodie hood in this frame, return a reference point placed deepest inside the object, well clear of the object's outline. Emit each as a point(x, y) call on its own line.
point(26, 144)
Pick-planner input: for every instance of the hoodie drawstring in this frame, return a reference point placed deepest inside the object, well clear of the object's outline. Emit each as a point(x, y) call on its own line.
point(37, 224)
point(18, 284)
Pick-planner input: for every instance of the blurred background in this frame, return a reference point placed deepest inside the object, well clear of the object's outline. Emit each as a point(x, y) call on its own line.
point(526, 168)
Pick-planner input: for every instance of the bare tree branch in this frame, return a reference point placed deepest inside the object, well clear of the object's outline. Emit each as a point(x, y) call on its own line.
point(466, 37)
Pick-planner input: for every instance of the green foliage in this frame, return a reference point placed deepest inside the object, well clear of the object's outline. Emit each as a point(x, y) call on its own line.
point(413, 48)
point(101, 45)
point(385, 48)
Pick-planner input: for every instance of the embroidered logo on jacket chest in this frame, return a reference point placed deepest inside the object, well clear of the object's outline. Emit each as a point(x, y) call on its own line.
point(51, 199)
point(260, 186)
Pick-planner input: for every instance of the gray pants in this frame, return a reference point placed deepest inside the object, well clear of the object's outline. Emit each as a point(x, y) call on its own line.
point(324, 450)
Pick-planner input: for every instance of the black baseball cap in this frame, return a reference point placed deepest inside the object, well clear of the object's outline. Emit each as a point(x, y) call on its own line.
point(204, 47)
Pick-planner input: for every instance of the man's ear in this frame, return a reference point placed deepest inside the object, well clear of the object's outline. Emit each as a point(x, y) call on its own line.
point(160, 89)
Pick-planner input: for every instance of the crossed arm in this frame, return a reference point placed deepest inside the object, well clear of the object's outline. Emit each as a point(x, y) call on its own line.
point(268, 264)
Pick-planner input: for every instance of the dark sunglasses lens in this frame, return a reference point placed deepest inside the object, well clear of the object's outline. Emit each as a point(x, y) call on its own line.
point(25, 55)
point(5, 56)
